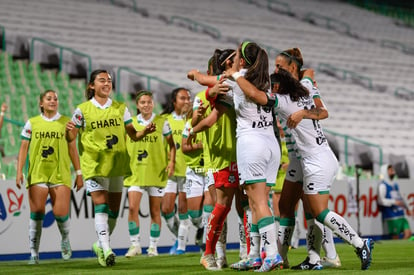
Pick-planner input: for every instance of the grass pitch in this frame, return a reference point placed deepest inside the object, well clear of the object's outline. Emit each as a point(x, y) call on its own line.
point(389, 257)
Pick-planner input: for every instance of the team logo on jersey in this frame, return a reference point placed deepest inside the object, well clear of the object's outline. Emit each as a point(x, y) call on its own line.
point(262, 123)
point(232, 178)
point(28, 131)
point(305, 101)
point(292, 172)
point(310, 187)
point(47, 151)
point(142, 155)
point(111, 141)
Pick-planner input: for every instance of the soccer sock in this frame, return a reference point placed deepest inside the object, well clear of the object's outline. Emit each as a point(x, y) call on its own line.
point(196, 217)
point(215, 224)
point(254, 242)
point(267, 231)
point(63, 225)
point(294, 242)
point(183, 231)
point(35, 232)
point(242, 239)
point(222, 241)
point(207, 209)
point(287, 225)
point(101, 225)
point(112, 217)
point(154, 235)
point(313, 239)
point(328, 243)
point(133, 233)
point(172, 222)
point(340, 227)
point(247, 226)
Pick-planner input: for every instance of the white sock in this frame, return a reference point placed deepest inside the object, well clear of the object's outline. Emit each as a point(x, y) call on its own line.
point(313, 240)
point(35, 232)
point(328, 244)
point(102, 229)
point(183, 233)
point(340, 227)
point(267, 231)
point(286, 228)
point(63, 224)
point(242, 240)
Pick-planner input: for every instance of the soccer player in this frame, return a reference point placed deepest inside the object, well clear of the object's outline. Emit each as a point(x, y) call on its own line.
point(175, 112)
point(102, 124)
point(43, 139)
point(152, 162)
point(318, 161)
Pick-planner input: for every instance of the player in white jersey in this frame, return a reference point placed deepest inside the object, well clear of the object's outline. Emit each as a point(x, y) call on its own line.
point(258, 151)
point(292, 61)
point(318, 161)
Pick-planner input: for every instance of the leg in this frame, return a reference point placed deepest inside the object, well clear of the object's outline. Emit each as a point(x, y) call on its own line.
point(60, 196)
point(155, 230)
point(134, 201)
point(37, 200)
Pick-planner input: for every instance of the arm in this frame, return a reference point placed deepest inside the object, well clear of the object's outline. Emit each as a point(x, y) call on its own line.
point(205, 80)
point(171, 164)
point(138, 135)
point(74, 157)
point(21, 160)
point(210, 120)
point(249, 90)
point(187, 145)
point(71, 131)
point(317, 113)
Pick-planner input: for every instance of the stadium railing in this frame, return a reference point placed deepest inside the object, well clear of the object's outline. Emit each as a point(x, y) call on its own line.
point(3, 38)
point(62, 49)
point(195, 26)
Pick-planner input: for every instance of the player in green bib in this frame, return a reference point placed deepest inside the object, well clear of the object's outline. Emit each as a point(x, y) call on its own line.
point(50, 155)
point(152, 162)
point(102, 125)
point(176, 110)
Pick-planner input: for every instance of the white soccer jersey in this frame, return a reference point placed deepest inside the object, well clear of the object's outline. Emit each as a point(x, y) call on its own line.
point(251, 117)
point(308, 135)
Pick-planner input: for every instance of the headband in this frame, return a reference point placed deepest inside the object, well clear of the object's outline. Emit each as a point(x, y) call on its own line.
point(243, 47)
point(141, 93)
point(293, 58)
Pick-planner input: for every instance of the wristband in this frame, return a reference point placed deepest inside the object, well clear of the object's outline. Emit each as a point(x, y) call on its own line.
point(236, 75)
point(78, 172)
point(191, 132)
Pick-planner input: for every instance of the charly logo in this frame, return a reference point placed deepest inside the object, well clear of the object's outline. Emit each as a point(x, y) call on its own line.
point(47, 150)
point(111, 141)
point(142, 154)
point(10, 207)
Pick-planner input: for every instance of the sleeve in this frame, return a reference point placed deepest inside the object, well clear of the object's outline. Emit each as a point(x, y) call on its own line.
point(382, 200)
point(78, 118)
point(166, 129)
point(27, 131)
point(197, 103)
point(127, 116)
point(186, 131)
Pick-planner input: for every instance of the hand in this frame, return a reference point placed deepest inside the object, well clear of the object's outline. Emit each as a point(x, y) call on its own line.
point(70, 126)
point(78, 182)
point(191, 74)
point(170, 168)
point(294, 119)
point(4, 107)
point(219, 88)
point(19, 180)
point(150, 128)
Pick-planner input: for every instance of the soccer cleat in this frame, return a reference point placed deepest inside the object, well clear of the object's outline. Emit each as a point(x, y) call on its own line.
point(209, 262)
point(180, 252)
point(99, 254)
point(152, 251)
point(270, 263)
point(247, 264)
point(328, 262)
point(109, 256)
point(33, 260)
point(66, 250)
point(222, 262)
point(134, 250)
point(173, 249)
point(307, 265)
point(365, 253)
